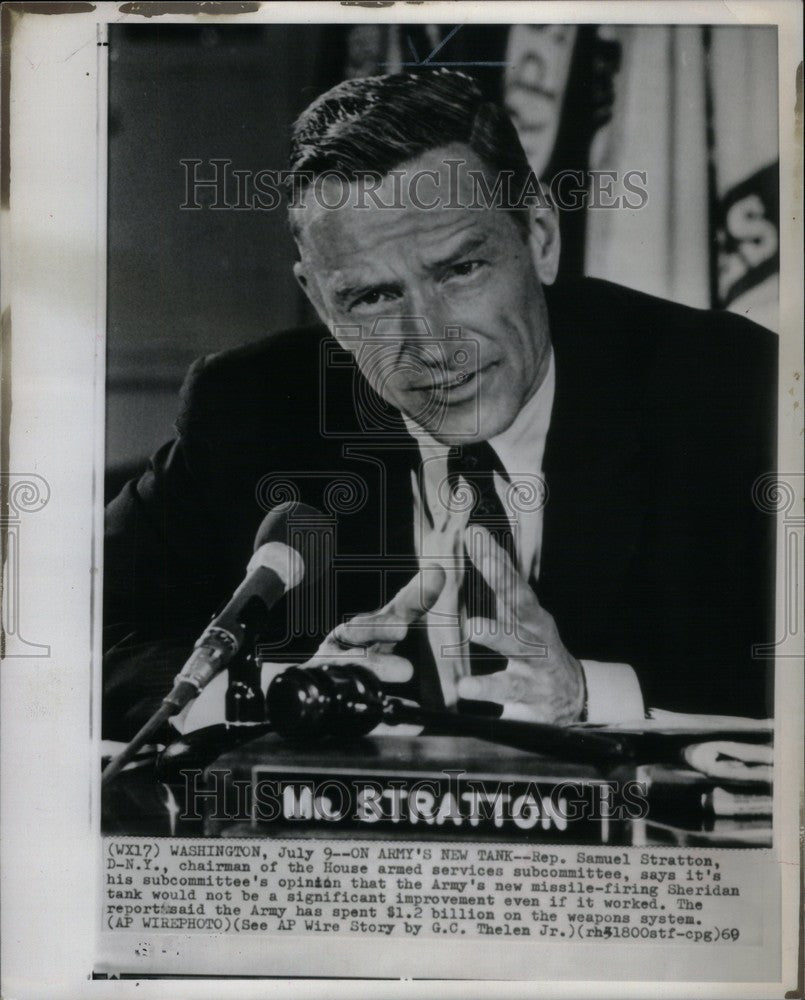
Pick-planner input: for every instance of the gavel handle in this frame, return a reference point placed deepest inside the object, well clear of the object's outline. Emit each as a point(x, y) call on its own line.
point(566, 743)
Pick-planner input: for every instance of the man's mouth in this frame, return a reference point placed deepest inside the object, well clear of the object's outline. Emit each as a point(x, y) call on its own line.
point(459, 383)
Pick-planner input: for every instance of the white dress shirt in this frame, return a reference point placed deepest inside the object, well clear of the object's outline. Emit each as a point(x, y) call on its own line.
point(613, 692)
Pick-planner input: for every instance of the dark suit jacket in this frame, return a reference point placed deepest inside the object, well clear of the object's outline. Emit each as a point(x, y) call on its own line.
point(653, 552)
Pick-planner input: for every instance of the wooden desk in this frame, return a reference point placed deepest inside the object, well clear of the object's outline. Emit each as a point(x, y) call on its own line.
point(139, 804)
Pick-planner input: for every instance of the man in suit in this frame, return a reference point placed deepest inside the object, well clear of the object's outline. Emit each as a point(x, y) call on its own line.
point(568, 469)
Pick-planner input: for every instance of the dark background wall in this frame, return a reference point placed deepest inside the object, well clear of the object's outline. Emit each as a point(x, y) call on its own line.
point(182, 283)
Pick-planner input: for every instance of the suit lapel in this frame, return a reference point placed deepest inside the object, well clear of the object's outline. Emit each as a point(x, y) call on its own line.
point(595, 506)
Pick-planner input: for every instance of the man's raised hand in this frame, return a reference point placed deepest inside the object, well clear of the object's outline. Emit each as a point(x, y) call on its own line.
point(542, 681)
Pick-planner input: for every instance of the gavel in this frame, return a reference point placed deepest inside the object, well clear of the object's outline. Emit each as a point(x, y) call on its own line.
point(341, 702)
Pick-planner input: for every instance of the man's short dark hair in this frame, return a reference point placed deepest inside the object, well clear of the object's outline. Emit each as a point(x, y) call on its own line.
point(373, 124)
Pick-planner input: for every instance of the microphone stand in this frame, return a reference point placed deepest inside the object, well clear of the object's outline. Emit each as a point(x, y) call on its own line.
point(114, 767)
point(245, 703)
point(291, 542)
point(245, 719)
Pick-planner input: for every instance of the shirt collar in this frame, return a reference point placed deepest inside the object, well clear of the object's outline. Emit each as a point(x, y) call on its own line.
point(521, 446)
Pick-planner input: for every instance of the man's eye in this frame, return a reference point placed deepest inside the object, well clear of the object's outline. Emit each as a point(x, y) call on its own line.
point(464, 269)
point(371, 298)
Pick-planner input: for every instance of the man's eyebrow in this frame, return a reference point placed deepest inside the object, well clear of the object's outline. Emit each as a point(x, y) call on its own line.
point(343, 293)
point(469, 245)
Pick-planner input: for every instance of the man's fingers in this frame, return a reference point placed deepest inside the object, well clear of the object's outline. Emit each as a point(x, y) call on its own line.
point(488, 687)
point(518, 683)
point(522, 712)
point(504, 690)
point(418, 596)
point(388, 667)
point(515, 599)
point(389, 625)
point(366, 630)
point(494, 636)
point(524, 692)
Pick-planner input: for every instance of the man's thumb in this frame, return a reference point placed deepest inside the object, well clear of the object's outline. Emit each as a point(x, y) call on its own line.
point(419, 595)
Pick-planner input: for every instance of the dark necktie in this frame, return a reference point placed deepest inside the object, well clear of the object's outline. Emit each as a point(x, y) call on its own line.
point(477, 465)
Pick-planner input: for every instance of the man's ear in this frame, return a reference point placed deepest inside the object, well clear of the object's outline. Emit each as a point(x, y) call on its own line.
point(310, 289)
point(545, 241)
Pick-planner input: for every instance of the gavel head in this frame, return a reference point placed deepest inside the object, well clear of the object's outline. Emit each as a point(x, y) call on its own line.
point(329, 702)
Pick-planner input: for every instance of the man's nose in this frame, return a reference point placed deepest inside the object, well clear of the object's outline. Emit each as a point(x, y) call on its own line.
point(427, 325)
point(418, 328)
point(429, 304)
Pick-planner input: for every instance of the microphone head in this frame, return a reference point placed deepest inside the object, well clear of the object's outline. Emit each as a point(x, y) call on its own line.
point(302, 528)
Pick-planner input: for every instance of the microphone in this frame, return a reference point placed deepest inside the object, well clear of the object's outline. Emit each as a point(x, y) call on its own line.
point(292, 544)
point(289, 547)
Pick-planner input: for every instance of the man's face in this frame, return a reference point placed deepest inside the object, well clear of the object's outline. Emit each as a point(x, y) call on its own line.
point(442, 308)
